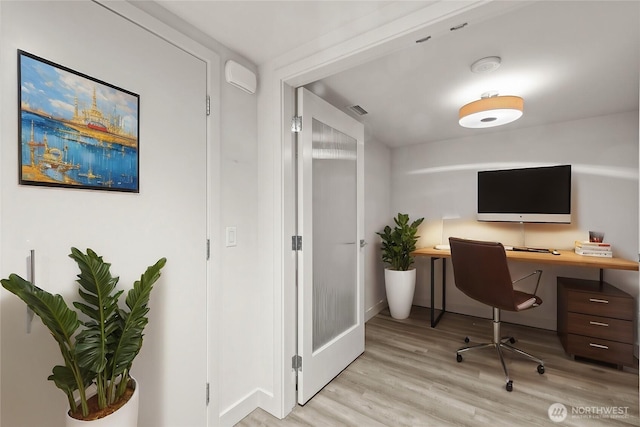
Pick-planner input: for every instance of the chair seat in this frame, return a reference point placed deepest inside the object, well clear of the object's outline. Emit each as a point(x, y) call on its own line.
point(524, 300)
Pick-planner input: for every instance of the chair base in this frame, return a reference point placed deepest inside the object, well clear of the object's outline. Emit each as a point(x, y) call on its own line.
point(499, 344)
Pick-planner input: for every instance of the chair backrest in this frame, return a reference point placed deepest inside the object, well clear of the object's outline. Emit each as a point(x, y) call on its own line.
point(481, 272)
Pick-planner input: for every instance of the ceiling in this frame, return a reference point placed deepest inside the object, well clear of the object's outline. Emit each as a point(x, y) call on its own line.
point(567, 59)
point(263, 30)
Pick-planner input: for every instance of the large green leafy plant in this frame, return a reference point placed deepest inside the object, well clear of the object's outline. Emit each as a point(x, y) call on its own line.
point(399, 242)
point(99, 349)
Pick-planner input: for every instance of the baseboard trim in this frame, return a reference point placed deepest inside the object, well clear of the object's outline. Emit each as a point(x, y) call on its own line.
point(371, 312)
point(243, 407)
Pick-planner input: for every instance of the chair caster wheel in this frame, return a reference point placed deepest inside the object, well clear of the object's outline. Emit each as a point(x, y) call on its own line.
point(540, 369)
point(466, 340)
point(509, 385)
point(459, 358)
point(512, 340)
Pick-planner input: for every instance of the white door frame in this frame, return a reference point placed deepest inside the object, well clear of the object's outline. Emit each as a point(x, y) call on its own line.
point(279, 79)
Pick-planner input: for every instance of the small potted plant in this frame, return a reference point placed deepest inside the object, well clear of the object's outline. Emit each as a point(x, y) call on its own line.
point(399, 277)
point(98, 348)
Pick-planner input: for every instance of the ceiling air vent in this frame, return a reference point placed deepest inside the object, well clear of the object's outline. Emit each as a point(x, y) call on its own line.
point(358, 110)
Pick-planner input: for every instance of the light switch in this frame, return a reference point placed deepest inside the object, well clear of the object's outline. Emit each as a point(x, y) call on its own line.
point(231, 236)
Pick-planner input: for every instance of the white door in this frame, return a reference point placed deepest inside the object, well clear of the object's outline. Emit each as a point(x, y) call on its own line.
point(330, 222)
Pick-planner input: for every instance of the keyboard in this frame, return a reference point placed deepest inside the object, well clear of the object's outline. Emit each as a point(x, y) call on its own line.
point(528, 249)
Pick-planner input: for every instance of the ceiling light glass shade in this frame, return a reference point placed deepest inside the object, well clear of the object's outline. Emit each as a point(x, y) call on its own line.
point(490, 112)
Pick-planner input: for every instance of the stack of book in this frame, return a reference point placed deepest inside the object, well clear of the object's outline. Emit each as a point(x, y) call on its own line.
point(587, 248)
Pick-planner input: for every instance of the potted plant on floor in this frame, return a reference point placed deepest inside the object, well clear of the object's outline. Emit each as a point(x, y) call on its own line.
point(99, 350)
point(399, 277)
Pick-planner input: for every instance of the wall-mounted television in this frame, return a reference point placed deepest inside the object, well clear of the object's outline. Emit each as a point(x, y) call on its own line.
point(537, 194)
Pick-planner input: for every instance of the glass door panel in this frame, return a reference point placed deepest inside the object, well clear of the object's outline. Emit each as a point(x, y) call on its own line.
point(334, 233)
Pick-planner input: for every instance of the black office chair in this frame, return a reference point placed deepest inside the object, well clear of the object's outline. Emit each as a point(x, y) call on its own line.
point(481, 272)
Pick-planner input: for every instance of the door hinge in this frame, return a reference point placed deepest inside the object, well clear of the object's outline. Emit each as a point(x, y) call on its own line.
point(296, 124)
point(208, 394)
point(208, 105)
point(296, 243)
point(208, 249)
point(296, 363)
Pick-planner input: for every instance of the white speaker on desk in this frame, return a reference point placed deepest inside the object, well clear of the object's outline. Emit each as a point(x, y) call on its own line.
point(240, 76)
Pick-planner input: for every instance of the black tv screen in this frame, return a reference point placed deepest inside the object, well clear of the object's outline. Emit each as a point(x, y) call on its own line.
point(538, 194)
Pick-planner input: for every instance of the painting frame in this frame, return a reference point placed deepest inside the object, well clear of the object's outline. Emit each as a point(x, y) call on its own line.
point(74, 130)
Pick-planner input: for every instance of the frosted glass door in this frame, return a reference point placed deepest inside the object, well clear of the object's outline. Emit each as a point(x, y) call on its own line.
point(330, 218)
point(334, 233)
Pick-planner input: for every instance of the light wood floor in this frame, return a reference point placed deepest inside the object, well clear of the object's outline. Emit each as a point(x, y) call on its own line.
point(408, 376)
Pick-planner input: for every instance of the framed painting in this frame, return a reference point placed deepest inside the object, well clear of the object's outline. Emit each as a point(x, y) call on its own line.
point(75, 131)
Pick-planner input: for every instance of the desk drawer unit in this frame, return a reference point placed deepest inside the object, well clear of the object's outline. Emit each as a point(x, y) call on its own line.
point(595, 320)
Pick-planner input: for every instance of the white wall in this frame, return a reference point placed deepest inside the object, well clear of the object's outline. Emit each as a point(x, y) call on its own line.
point(377, 214)
point(438, 181)
point(240, 328)
point(167, 218)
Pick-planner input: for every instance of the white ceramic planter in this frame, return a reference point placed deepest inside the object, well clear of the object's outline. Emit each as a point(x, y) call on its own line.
point(400, 286)
point(126, 416)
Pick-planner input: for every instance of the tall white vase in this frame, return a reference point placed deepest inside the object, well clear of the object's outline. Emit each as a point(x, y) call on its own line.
point(126, 416)
point(400, 286)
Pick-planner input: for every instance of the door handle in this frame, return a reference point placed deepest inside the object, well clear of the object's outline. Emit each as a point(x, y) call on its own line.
point(362, 243)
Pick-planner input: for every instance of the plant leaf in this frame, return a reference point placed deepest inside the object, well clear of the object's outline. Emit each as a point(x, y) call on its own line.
point(96, 288)
point(61, 321)
point(134, 321)
point(64, 379)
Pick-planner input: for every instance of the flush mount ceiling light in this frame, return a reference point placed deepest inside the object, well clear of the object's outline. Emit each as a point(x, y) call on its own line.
point(491, 110)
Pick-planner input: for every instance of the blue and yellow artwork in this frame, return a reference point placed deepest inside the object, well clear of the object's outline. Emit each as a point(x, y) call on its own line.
point(75, 131)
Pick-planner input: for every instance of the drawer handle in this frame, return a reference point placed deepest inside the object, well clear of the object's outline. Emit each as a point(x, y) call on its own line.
point(598, 323)
point(599, 346)
point(602, 301)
